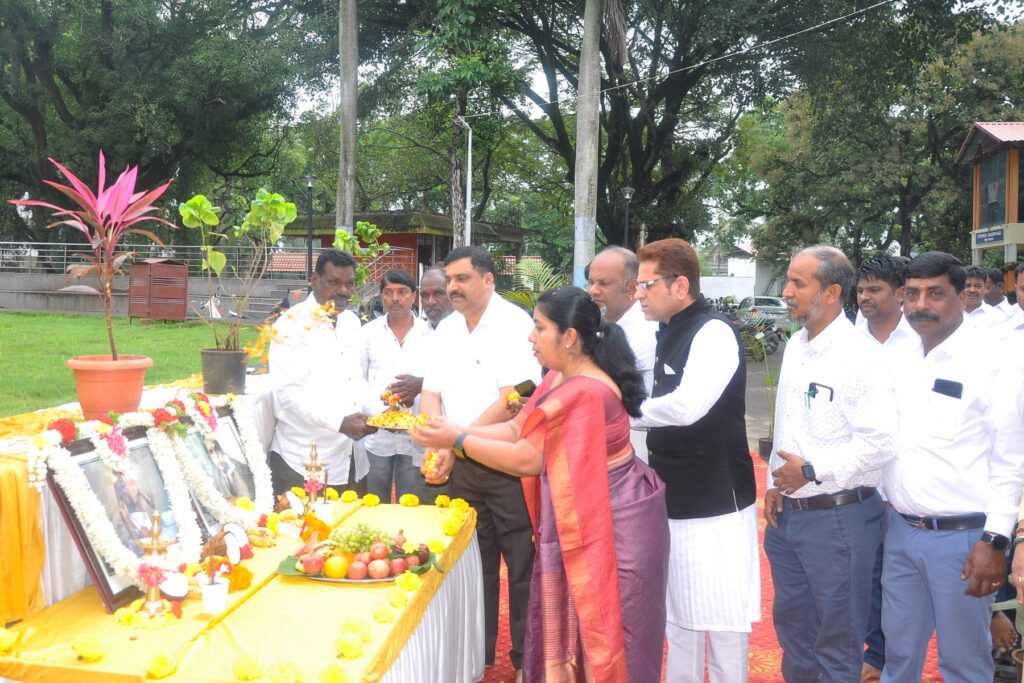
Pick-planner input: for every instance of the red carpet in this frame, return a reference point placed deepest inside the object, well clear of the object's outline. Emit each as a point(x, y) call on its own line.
point(765, 653)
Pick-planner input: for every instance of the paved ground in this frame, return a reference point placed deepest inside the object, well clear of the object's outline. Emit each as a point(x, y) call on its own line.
point(757, 396)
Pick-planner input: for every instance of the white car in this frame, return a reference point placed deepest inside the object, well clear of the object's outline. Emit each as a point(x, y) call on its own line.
point(771, 307)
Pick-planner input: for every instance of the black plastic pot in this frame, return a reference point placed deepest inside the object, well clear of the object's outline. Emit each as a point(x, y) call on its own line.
point(224, 371)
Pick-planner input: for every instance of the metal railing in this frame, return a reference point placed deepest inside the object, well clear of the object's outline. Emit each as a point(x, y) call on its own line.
point(55, 257)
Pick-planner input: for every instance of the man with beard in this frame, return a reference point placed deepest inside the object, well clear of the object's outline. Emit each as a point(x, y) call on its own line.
point(320, 392)
point(835, 428)
point(611, 282)
point(434, 303)
point(953, 488)
point(392, 357)
point(482, 351)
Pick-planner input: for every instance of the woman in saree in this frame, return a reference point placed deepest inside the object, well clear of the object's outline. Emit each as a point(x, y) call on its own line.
point(597, 598)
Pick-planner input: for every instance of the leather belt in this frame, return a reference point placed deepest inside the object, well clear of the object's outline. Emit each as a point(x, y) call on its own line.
point(955, 523)
point(832, 500)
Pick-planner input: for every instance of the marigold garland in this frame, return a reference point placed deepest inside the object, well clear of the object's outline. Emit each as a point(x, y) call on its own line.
point(349, 646)
point(397, 598)
point(408, 581)
point(437, 546)
point(451, 526)
point(334, 673)
point(245, 503)
point(410, 547)
point(371, 500)
point(409, 500)
point(88, 648)
point(358, 627)
point(383, 613)
point(331, 493)
point(459, 504)
point(286, 672)
point(442, 501)
point(161, 666)
point(247, 668)
point(349, 496)
point(239, 578)
point(299, 491)
point(131, 616)
point(6, 641)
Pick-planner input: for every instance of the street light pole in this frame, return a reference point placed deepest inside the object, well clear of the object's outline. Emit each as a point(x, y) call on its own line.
point(627, 192)
point(309, 226)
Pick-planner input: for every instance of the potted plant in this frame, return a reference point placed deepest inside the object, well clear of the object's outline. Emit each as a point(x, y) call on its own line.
point(224, 366)
point(771, 385)
point(105, 382)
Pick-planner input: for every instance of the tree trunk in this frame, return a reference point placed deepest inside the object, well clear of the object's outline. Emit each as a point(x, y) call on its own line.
point(587, 146)
point(457, 170)
point(348, 59)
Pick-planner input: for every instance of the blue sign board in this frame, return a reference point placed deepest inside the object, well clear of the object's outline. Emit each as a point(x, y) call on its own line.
point(989, 236)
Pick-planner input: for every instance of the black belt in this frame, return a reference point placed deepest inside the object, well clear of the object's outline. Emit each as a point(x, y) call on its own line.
point(955, 523)
point(832, 500)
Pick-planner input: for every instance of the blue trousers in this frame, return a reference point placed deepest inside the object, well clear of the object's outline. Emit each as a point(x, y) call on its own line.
point(821, 564)
point(875, 639)
point(922, 593)
point(397, 468)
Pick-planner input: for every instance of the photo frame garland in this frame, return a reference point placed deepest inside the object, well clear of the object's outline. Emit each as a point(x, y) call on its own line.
point(165, 430)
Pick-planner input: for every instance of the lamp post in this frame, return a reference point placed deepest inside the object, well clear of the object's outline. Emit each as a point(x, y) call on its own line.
point(309, 226)
point(627, 192)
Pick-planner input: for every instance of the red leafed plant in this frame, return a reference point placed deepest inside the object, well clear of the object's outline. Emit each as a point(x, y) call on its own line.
point(103, 217)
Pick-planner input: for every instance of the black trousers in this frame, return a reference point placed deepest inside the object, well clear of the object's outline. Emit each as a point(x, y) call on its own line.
point(503, 530)
point(283, 477)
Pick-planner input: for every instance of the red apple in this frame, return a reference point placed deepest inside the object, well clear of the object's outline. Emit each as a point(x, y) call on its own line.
point(413, 560)
point(378, 569)
point(398, 565)
point(356, 570)
point(313, 563)
point(362, 557)
point(378, 551)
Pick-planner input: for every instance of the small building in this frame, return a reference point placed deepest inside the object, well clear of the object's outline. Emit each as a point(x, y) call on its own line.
point(993, 149)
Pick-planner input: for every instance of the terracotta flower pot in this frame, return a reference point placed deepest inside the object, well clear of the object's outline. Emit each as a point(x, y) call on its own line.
point(106, 385)
point(224, 371)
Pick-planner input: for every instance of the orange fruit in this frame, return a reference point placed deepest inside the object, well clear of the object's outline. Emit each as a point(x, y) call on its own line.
point(335, 567)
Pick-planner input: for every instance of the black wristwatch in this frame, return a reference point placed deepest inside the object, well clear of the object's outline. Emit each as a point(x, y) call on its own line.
point(997, 541)
point(808, 471)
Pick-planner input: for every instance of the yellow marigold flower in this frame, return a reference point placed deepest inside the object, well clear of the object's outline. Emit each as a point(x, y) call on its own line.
point(349, 646)
point(349, 496)
point(247, 668)
point(437, 546)
point(192, 568)
point(451, 526)
point(300, 492)
point(370, 500)
point(272, 521)
point(334, 673)
point(442, 501)
point(245, 503)
point(383, 614)
point(125, 616)
point(408, 581)
point(39, 441)
point(410, 547)
point(409, 500)
point(286, 672)
point(6, 641)
point(397, 598)
point(88, 648)
point(103, 428)
point(331, 493)
point(161, 666)
point(459, 504)
point(358, 627)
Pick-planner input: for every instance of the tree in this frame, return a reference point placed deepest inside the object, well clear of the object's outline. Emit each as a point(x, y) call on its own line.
point(186, 89)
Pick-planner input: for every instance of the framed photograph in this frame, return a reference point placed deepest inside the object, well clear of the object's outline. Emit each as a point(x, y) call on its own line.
point(128, 500)
point(221, 460)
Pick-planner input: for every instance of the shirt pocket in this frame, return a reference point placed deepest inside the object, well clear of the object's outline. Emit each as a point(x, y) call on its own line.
point(942, 416)
point(826, 420)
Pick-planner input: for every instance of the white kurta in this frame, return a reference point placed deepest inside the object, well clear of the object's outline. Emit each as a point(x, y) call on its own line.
point(641, 335)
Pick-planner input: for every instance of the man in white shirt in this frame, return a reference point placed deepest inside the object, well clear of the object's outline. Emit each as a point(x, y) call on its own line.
point(955, 486)
point(976, 311)
point(611, 282)
point(835, 428)
point(434, 303)
point(994, 294)
point(880, 282)
point(483, 351)
point(319, 390)
point(698, 446)
point(1014, 324)
point(392, 357)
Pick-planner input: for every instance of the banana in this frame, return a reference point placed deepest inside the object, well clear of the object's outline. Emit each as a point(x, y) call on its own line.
point(288, 515)
point(260, 538)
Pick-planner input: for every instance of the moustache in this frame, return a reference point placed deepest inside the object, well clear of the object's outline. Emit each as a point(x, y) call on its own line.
point(789, 302)
point(923, 316)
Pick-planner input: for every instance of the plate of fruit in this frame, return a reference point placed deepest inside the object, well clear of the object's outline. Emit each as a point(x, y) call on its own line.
point(359, 553)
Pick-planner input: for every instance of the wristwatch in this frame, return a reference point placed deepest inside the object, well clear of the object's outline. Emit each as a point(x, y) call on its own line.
point(458, 445)
point(997, 541)
point(808, 471)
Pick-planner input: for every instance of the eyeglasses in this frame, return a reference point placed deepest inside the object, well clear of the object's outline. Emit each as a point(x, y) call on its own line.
point(647, 284)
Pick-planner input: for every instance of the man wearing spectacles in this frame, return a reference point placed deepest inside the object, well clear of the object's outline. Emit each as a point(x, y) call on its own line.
point(697, 444)
point(835, 428)
point(955, 485)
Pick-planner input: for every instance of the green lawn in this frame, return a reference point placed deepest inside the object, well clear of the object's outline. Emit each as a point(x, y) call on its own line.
point(35, 346)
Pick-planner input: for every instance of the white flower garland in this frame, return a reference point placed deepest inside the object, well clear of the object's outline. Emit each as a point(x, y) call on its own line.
point(255, 455)
point(205, 490)
point(198, 418)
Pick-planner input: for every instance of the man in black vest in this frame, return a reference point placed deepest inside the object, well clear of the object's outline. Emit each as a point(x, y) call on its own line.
point(698, 445)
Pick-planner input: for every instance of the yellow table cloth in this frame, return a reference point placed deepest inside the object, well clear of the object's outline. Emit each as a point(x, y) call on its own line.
point(280, 618)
